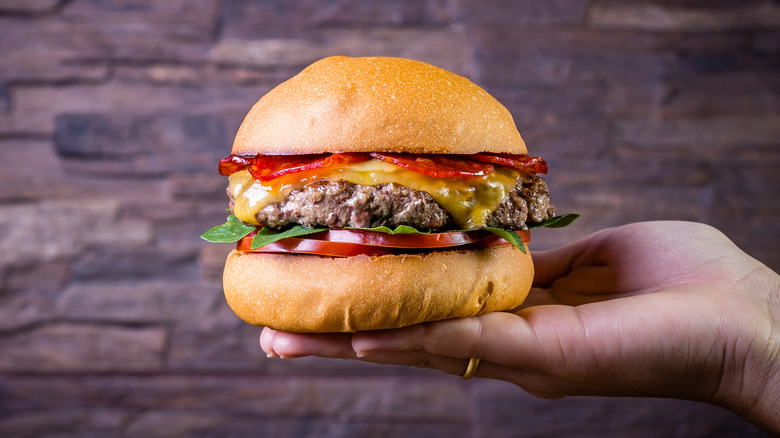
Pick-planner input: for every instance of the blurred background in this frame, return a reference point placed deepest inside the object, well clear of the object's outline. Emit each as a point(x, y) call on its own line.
point(113, 115)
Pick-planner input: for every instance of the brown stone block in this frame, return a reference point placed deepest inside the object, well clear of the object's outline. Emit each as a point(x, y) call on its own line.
point(743, 92)
point(127, 99)
point(765, 42)
point(26, 124)
point(95, 423)
point(235, 405)
point(508, 39)
point(559, 123)
point(745, 200)
point(177, 29)
point(50, 276)
point(205, 186)
point(673, 18)
point(147, 145)
point(215, 340)
point(51, 230)
point(252, 20)
point(441, 47)
point(199, 75)
point(139, 302)
point(704, 137)
point(30, 7)
point(301, 397)
point(24, 307)
point(560, 68)
point(99, 135)
point(499, 408)
point(212, 260)
point(30, 170)
point(67, 348)
point(520, 12)
point(46, 51)
point(142, 262)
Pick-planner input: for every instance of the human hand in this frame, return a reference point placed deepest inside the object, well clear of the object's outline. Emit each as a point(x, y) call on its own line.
point(667, 309)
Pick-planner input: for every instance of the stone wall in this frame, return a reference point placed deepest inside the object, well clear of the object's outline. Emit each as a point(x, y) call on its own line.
point(114, 113)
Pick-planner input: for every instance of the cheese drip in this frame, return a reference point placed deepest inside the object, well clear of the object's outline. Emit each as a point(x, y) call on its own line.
point(470, 200)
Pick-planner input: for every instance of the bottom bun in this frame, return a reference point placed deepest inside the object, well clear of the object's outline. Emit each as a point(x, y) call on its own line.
point(310, 293)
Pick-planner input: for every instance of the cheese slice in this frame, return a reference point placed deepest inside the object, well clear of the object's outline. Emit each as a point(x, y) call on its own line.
point(470, 200)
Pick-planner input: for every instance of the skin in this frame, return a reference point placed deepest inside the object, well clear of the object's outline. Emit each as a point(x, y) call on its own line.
point(656, 309)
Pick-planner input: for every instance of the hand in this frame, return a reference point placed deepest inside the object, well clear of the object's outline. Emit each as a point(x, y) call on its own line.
point(668, 309)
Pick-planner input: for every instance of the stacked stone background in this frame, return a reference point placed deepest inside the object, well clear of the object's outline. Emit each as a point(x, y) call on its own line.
point(114, 113)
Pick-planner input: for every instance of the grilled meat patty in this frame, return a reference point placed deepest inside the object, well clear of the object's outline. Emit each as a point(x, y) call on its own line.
point(343, 204)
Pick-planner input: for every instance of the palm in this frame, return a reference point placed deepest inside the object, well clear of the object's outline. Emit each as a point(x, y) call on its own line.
point(642, 294)
point(669, 309)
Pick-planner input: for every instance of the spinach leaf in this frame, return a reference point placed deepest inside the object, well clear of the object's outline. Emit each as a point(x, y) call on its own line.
point(231, 231)
point(561, 221)
point(509, 236)
point(265, 236)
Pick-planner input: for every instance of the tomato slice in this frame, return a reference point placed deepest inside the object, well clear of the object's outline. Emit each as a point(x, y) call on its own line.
point(440, 166)
point(431, 240)
point(349, 243)
point(519, 162)
point(311, 246)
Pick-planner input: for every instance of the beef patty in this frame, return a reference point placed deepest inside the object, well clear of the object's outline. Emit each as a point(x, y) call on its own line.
point(344, 204)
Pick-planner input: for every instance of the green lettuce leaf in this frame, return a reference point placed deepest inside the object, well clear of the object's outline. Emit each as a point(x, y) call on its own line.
point(561, 221)
point(231, 231)
point(265, 236)
point(401, 229)
point(509, 236)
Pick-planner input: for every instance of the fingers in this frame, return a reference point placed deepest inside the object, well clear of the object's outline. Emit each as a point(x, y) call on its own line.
point(290, 345)
point(549, 351)
point(423, 359)
point(458, 339)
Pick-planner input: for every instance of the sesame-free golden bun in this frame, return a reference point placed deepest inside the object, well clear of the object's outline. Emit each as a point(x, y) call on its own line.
point(310, 293)
point(343, 104)
point(377, 104)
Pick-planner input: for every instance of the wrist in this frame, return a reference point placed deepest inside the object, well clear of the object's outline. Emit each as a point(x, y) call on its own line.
point(751, 377)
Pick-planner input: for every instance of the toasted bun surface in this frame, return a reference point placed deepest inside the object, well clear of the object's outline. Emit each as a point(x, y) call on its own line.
point(308, 293)
point(376, 104)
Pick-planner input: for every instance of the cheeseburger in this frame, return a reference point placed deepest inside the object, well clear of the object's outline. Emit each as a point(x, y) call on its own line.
point(375, 193)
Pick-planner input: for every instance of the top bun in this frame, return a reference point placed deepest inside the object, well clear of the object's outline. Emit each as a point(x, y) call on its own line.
point(343, 104)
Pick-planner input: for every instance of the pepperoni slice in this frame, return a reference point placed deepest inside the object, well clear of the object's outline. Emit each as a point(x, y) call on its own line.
point(519, 162)
point(268, 167)
point(440, 166)
point(232, 164)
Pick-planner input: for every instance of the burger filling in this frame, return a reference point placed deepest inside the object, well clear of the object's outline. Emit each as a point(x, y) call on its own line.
point(347, 204)
point(375, 193)
point(342, 204)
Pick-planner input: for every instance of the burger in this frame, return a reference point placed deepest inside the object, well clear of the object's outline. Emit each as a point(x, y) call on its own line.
point(375, 193)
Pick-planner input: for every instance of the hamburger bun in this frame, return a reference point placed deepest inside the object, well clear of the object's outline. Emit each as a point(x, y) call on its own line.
point(309, 293)
point(376, 104)
point(391, 105)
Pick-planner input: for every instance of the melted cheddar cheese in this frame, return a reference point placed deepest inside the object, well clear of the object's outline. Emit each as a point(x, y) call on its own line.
point(470, 200)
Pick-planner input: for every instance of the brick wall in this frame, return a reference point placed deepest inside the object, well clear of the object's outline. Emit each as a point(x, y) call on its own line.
point(113, 115)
